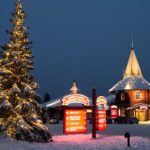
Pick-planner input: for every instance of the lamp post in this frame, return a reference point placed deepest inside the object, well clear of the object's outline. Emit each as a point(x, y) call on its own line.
point(127, 135)
point(94, 113)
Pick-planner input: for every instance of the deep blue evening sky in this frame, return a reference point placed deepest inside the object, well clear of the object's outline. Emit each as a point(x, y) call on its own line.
point(89, 39)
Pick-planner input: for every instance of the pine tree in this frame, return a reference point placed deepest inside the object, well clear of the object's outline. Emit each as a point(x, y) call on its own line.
point(20, 113)
point(47, 97)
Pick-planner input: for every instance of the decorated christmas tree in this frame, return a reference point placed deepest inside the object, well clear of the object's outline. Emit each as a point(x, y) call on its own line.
point(20, 113)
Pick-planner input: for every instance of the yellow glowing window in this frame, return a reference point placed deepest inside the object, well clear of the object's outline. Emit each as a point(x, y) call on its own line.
point(138, 95)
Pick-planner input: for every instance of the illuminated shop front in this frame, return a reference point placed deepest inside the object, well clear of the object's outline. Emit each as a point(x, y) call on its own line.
point(74, 98)
point(54, 108)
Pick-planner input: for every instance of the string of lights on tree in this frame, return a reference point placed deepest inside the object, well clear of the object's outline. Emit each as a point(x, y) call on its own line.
point(20, 114)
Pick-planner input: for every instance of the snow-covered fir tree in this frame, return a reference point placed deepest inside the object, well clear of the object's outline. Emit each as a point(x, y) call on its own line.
point(20, 113)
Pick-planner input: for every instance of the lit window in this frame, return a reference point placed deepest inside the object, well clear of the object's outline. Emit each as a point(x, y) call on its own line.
point(138, 95)
point(122, 96)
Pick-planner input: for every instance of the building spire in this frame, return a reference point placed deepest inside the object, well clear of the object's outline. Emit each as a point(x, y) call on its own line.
point(74, 89)
point(133, 68)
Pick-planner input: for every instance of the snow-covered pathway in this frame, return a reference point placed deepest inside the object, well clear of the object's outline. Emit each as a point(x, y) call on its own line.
point(111, 139)
point(79, 142)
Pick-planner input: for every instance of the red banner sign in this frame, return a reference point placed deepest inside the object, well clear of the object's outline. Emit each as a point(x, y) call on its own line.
point(114, 112)
point(75, 121)
point(101, 120)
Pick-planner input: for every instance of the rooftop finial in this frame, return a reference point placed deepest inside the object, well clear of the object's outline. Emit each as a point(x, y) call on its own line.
point(132, 43)
point(74, 89)
point(74, 74)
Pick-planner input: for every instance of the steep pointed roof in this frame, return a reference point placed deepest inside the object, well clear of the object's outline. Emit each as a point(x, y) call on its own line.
point(133, 78)
point(74, 89)
point(133, 68)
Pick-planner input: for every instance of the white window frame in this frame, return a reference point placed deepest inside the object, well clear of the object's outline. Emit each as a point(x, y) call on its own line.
point(138, 95)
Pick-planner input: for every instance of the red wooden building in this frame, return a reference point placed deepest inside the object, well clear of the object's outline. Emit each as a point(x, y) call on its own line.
point(133, 91)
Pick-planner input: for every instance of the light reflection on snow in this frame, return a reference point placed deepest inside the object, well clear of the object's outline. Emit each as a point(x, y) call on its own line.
point(84, 141)
point(79, 142)
point(78, 138)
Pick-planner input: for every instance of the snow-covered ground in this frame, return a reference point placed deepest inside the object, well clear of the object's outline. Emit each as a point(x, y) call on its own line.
point(111, 139)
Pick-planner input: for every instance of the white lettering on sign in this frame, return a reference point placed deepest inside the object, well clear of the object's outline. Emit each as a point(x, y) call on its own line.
point(75, 98)
point(114, 112)
point(101, 120)
point(75, 121)
point(73, 112)
point(74, 117)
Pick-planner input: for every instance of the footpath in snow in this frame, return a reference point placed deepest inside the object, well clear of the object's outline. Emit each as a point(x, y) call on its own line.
point(79, 142)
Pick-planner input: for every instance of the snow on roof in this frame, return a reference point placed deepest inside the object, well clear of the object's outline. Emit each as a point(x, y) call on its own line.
point(57, 102)
point(133, 78)
point(110, 99)
point(138, 105)
point(52, 103)
point(131, 82)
